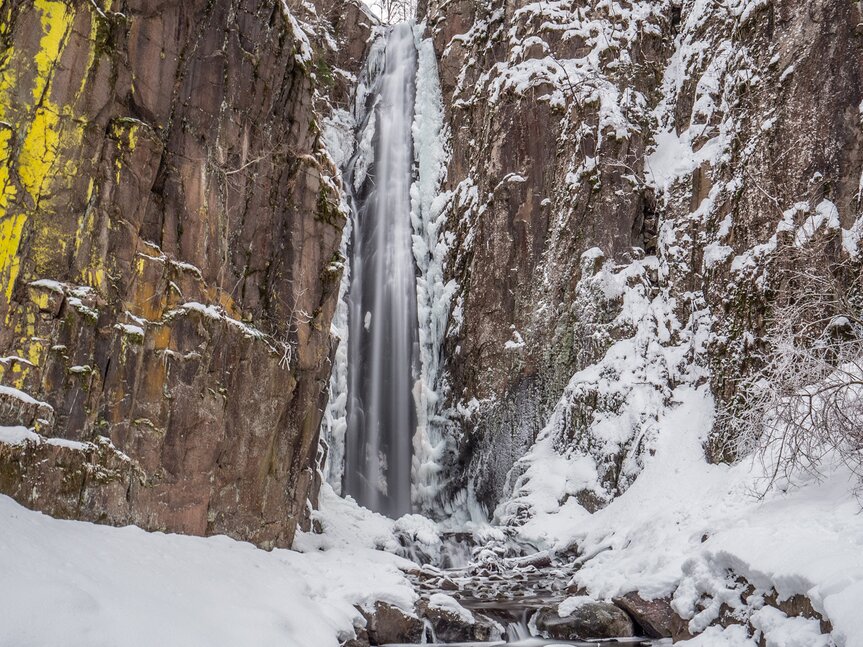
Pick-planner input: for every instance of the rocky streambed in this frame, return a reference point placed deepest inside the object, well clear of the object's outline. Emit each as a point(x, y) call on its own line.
point(496, 591)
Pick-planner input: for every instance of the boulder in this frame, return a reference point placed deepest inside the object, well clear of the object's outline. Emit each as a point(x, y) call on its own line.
point(360, 640)
point(389, 624)
point(654, 617)
point(587, 621)
point(452, 625)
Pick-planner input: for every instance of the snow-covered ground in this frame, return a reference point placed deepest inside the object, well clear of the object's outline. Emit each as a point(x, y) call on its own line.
point(689, 528)
point(74, 583)
point(684, 528)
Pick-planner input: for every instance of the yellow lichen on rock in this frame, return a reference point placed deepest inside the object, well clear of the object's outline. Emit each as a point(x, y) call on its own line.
point(56, 26)
point(40, 145)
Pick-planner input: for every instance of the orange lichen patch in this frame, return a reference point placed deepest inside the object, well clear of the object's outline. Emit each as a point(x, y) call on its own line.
point(227, 302)
point(160, 337)
point(147, 299)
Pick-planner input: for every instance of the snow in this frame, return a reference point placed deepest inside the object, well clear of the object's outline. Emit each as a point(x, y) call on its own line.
point(780, 631)
point(687, 527)
point(69, 444)
point(786, 73)
point(15, 359)
point(130, 329)
point(54, 286)
point(851, 237)
point(516, 342)
point(568, 606)
point(17, 435)
point(826, 214)
point(715, 253)
point(187, 267)
point(124, 586)
point(304, 47)
point(216, 313)
point(20, 395)
point(450, 604)
point(674, 157)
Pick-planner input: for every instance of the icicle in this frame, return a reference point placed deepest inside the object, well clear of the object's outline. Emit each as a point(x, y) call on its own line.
point(430, 250)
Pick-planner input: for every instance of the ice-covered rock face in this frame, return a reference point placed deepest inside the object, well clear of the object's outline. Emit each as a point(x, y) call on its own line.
point(623, 177)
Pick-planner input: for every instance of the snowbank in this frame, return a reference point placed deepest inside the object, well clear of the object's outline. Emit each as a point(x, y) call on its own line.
point(690, 529)
point(73, 583)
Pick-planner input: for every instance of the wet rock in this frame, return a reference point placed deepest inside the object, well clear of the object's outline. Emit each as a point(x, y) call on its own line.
point(447, 584)
point(587, 621)
point(447, 625)
point(680, 629)
point(654, 617)
point(486, 629)
point(389, 624)
point(360, 640)
point(454, 625)
point(798, 606)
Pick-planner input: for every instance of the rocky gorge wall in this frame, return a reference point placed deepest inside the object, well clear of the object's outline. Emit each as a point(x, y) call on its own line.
point(625, 182)
point(169, 232)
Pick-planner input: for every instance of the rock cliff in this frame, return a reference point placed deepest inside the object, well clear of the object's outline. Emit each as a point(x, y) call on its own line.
point(625, 182)
point(169, 234)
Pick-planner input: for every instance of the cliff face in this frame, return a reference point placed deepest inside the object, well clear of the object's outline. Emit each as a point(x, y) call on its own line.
point(169, 233)
point(619, 175)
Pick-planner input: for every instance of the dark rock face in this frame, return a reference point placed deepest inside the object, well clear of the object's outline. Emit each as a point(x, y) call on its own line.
point(655, 618)
point(169, 227)
point(590, 620)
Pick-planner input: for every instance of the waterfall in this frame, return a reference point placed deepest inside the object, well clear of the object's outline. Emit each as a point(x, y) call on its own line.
point(382, 307)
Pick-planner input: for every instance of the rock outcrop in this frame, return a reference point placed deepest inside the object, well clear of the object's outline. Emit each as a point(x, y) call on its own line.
point(169, 234)
point(528, 197)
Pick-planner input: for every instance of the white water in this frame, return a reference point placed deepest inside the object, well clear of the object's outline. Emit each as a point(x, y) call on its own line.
point(382, 339)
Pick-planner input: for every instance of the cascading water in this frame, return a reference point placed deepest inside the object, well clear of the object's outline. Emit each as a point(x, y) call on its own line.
point(382, 320)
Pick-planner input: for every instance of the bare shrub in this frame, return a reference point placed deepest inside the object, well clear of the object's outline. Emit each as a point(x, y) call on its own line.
point(394, 11)
point(805, 405)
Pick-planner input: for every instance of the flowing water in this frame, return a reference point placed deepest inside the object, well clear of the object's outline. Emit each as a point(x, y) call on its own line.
point(382, 340)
